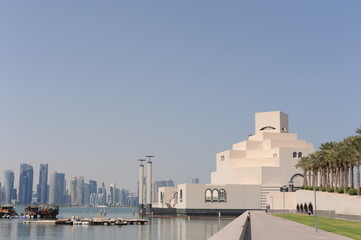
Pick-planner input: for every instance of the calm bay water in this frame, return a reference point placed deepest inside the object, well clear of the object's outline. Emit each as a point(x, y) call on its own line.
point(167, 228)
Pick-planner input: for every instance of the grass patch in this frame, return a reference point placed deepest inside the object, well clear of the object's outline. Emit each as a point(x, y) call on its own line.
point(351, 229)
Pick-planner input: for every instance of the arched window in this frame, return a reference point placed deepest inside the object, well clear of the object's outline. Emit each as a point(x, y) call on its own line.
point(161, 197)
point(267, 128)
point(299, 155)
point(222, 195)
point(305, 208)
point(181, 196)
point(301, 207)
point(298, 207)
point(215, 195)
point(294, 155)
point(208, 195)
point(310, 208)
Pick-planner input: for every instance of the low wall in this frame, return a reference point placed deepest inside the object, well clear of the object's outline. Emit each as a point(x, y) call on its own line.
point(340, 204)
point(197, 212)
point(235, 230)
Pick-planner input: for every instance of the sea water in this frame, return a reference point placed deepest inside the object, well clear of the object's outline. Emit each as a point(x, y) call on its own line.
point(162, 228)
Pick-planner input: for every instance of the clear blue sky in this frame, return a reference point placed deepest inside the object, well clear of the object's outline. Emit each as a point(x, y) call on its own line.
point(90, 86)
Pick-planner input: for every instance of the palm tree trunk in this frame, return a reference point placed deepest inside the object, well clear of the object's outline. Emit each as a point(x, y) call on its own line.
point(305, 178)
point(336, 179)
point(352, 185)
point(345, 177)
point(358, 176)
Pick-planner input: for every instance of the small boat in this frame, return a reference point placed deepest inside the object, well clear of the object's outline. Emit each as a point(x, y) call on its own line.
point(31, 211)
point(7, 211)
point(48, 211)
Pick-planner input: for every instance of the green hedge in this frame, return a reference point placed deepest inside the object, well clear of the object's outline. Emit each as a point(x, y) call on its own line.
point(352, 191)
point(323, 189)
point(331, 189)
point(340, 190)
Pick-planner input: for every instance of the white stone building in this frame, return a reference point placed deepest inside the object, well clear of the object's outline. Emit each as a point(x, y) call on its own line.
point(245, 174)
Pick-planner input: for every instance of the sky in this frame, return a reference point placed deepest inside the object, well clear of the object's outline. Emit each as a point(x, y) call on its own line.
point(89, 87)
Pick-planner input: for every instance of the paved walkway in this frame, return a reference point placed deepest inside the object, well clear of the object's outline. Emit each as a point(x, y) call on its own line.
point(268, 227)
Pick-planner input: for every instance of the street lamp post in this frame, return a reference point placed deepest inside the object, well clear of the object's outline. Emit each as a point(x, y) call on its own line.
point(284, 188)
point(314, 194)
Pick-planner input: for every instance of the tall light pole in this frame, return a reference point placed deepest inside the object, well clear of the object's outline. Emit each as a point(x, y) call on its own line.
point(149, 182)
point(314, 194)
point(141, 184)
point(284, 188)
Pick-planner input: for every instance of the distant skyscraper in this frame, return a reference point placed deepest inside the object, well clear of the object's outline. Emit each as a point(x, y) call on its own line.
point(74, 190)
point(9, 185)
point(93, 186)
point(124, 193)
point(102, 196)
point(112, 194)
point(195, 180)
point(26, 183)
point(158, 184)
point(53, 183)
point(61, 188)
point(43, 183)
point(80, 189)
point(86, 194)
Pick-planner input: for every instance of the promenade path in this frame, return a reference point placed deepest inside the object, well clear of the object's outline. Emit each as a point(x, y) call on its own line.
point(268, 227)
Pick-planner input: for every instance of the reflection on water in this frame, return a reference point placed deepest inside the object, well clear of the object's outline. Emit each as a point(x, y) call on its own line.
point(163, 228)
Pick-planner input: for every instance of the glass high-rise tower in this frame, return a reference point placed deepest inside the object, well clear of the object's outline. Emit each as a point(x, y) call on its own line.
point(9, 185)
point(43, 183)
point(26, 183)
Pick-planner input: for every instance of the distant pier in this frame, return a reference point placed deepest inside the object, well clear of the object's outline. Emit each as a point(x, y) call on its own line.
point(90, 221)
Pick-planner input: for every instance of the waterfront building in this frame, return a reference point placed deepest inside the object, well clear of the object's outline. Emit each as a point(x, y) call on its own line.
point(26, 183)
point(9, 185)
point(246, 174)
point(42, 188)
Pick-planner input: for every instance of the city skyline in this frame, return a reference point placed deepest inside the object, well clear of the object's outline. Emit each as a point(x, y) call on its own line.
point(79, 191)
point(89, 87)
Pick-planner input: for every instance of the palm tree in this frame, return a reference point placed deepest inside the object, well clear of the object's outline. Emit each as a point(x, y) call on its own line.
point(356, 142)
point(304, 164)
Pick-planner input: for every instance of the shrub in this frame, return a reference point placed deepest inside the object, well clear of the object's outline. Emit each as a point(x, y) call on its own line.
point(323, 189)
point(331, 189)
point(340, 190)
point(303, 187)
point(352, 191)
point(310, 188)
point(317, 188)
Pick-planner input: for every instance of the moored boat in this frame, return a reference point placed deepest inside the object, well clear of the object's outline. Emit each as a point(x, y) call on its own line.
point(48, 211)
point(7, 211)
